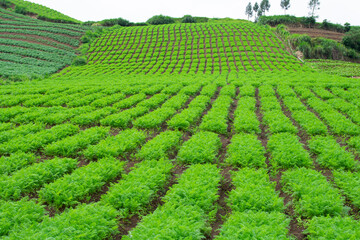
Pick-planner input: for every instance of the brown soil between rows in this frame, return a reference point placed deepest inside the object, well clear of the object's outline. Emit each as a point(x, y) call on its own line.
point(36, 36)
point(314, 33)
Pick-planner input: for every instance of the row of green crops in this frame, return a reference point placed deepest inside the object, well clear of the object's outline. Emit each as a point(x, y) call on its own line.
point(35, 48)
point(96, 149)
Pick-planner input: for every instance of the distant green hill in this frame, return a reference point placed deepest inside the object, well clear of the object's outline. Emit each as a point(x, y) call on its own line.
point(31, 47)
point(39, 11)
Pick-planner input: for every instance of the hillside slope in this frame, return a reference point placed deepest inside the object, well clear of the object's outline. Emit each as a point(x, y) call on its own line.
point(31, 47)
point(189, 48)
point(39, 11)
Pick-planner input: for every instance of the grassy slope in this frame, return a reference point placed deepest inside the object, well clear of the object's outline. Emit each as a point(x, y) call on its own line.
point(345, 69)
point(43, 12)
point(31, 47)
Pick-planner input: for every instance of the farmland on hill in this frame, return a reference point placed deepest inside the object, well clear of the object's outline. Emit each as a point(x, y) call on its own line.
point(189, 48)
point(39, 11)
point(31, 47)
point(184, 131)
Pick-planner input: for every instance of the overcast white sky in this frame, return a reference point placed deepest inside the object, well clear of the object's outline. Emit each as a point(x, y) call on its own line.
point(140, 10)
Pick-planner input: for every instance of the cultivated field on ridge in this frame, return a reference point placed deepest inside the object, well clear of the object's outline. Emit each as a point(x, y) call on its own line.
point(190, 49)
point(31, 47)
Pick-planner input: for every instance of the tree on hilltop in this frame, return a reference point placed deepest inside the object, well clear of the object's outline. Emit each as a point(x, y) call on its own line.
point(256, 10)
point(314, 5)
point(249, 11)
point(285, 4)
point(264, 6)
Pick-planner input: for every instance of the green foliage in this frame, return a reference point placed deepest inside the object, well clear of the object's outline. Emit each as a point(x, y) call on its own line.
point(125, 141)
point(255, 225)
point(15, 162)
point(74, 224)
point(245, 117)
point(188, 19)
point(69, 146)
point(124, 118)
point(338, 123)
point(22, 130)
point(348, 182)
point(278, 122)
point(17, 215)
point(42, 12)
point(79, 61)
point(154, 119)
point(202, 147)
point(309, 122)
point(287, 20)
point(93, 117)
point(216, 119)
point(187, 207)
point(341, 68)
point(313, 194)
point(136, 189)
point(81, 183)
point(331, 155)
point(160, 19)
point(254, 191)
point(161, 146)
point(5, 3)
point(115, 21)
point(326, 25)
point(155, 57)
point(321, 48)
point(33, 142)
point(352, 39)
point(154, 101)
point(173, 222)
point(333, 228)
point(33, 177)
point(130, 101)
point(287, 152)
point(32, 48)
point(354, 142)
point(190, 115)
point(245, 150)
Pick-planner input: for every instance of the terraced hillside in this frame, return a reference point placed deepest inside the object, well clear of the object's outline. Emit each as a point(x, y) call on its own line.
point(41, 12)
point(33, 47)
point(189, 48)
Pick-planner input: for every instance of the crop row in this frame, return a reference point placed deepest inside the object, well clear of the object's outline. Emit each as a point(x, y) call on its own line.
point(188, 206)
point(256, 208)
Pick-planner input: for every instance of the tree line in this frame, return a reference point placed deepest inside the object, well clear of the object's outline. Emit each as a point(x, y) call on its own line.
point(257, 10)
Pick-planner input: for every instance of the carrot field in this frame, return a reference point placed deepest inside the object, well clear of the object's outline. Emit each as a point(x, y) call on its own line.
point(183, 131)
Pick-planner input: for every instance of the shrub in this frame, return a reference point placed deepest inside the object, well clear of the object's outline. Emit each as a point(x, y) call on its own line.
point(305, 48)
point(115, 21)
point(287, 20)
point(297, 39)
point(332, 27)
point(80, 61)
point(160, 19)
point(188, 19)
point(21, 10)
point(352, 39)
point(5, 3)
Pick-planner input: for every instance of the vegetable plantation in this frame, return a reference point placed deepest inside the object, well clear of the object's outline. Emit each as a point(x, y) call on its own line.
point(265, 155)
point(180, 131)
point(189, 48)
point(31, 47)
